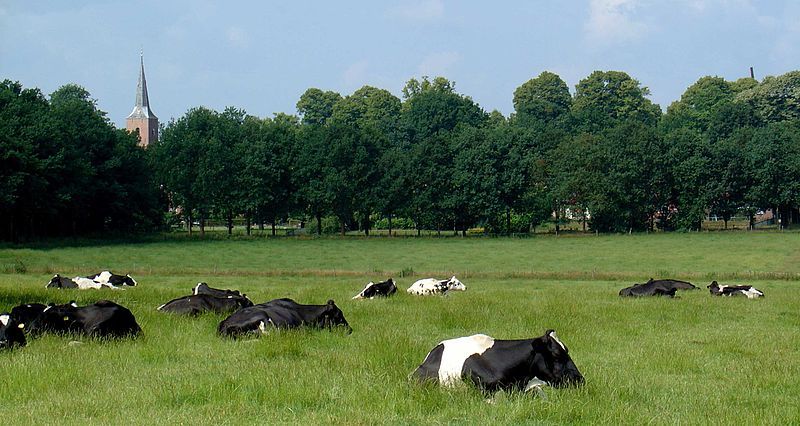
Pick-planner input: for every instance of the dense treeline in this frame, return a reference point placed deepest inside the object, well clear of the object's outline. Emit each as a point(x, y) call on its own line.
point(66, 171)
point(434, 159)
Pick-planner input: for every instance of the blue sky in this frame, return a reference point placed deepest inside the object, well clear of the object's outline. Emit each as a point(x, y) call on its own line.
point(262, 55)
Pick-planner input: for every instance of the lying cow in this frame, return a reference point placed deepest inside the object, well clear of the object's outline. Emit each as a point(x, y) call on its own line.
point(656, 288)
point(81, 283)
point(734, 290)
point(381, 289)
point(61, 282)
point(11, 332)
point(282, 313)
point(428, 286)
point(493, 364)
point(108, 277)
point(203, 288)
point(101, 319)
point(199, 303)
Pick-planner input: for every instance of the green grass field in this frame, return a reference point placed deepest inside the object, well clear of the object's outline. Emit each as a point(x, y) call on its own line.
point(693, 359)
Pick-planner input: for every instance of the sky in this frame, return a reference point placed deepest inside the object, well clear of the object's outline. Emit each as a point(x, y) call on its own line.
point(262, 55)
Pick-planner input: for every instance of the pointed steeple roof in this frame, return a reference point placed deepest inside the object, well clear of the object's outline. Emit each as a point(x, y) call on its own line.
point(142, 107)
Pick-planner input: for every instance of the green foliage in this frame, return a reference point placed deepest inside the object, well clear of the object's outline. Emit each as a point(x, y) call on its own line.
point(316, 106)
point(606, 98)
point(544, 98)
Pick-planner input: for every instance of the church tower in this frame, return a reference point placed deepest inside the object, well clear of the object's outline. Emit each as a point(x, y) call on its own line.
point(142, 118)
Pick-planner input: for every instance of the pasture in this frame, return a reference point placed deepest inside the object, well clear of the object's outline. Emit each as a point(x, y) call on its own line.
point(693, 359)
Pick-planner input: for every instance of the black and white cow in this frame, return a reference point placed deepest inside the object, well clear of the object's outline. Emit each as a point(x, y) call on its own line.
point(101, 319)
point(428, 286)
point(381, 289)
point(108, 277)
point(199, 303)
point(61, 282)
point(734, 290)
point(494, 365)
point(656, 288)
point(28, 314)
point(203, 288)
point(282, 313)
point(11, 332)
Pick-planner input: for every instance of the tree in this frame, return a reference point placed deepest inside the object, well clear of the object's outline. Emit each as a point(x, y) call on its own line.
point(775, 99)
point(433, 107)
point(544, 98)
point(606, 98)
point(316, 106)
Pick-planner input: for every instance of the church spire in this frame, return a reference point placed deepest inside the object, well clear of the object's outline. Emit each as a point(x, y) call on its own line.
point(142, 107)
point(142, 119)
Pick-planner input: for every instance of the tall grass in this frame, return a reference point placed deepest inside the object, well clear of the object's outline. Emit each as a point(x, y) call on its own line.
point(694, 359)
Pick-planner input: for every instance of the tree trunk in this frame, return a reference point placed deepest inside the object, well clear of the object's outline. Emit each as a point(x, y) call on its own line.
point(341, 227)
point(750, 221)
point(189, 222)
point(367, 225)
point(247, 225)
point(319, 223)
point(508, 220)
point(557, 220)
point(202, 225)
point(390, 224)
point(273, 228)
point(229, 222)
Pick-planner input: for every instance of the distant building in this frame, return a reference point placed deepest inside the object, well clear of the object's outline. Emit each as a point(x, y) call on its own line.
point(142, 118)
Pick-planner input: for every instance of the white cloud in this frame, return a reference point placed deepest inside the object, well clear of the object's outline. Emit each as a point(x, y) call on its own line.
point(237, 37)
point(421, 10)
point(355, 74)
point(611, 21)
point(437, 64)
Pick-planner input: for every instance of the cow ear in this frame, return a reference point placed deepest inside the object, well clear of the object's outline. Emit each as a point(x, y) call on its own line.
point(330, 302)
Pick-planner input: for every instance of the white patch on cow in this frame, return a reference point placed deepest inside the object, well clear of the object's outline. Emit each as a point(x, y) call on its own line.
point(752, 293)
point(132, 280)
point(45, 309)
point(553, 335)
point(262, 326)
point(425, 286)
point(5, 319)
point(361, 295)
point(456, 352)
point(103, 277)
point(159, 308)
point(196, 288)
point(86, 283)
point(73, 304)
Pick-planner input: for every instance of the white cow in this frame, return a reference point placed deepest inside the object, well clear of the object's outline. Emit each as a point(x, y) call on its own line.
point(428, 286)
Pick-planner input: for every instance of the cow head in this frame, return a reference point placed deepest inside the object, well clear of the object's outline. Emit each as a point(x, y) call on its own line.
point(243, 301)
point(454, 284)
point(57, 318)
point(713, 287)
point(128, 280)
point(333, 316)
point(11, 332)
point(61, 282)
point(551, 362)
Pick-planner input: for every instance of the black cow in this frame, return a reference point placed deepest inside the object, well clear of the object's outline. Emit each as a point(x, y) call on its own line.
point(734, 290)
point(61, 282)
point(203, 288)
point(11, 332)
point(199, 303)
point(108, 277)
point(282, 313)
point(29, 314)
point(493, 365)
point(656, 288)
point(101, 319)
point(381, 289)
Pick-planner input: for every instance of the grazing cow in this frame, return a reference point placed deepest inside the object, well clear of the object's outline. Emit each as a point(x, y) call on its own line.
point(101, 319)
point(433, 286)
point(199, 303)
point(493, 364)
point(282, 313)
point(11, 332)
point(381, 289)
point(203, 288)
point(61, 282)
point(734, 290)
point(108, 277)
point(656, 288)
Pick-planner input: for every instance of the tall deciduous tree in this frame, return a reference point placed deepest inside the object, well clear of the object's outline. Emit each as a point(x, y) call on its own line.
point(542, 99)
point(606, 98)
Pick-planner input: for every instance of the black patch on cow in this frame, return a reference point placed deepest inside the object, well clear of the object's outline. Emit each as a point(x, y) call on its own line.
point(61, 282)
point(200, 303)
point(429, 369)
point(12, 333)
point(283, 313)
